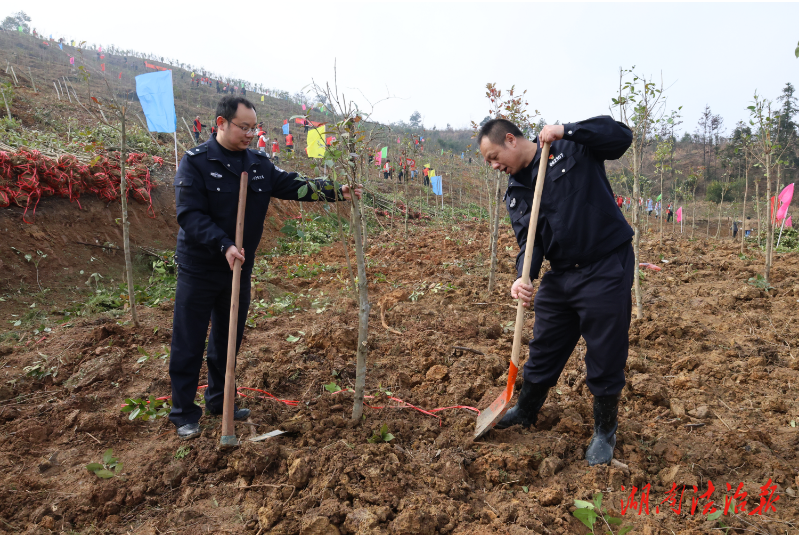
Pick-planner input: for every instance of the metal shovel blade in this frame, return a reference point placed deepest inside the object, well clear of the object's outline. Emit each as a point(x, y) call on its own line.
point(491, 415)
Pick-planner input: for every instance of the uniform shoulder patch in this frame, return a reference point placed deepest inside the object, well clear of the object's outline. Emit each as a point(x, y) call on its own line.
point(258, 153)
point(197, 150)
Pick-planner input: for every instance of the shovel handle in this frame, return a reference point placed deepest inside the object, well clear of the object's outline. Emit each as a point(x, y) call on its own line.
point(526, 265)
point(228, 433)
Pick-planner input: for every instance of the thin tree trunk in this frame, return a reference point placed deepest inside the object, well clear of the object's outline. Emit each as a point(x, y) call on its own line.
point(694, 208)
point(744, 208)
point(126, 236)
point(770, 225)
point(637, 287)
point(363, 314)
point(758, 215)
point(661, 211)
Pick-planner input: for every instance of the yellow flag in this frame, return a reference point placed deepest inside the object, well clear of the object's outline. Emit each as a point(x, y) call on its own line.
point(432, 173)
point(262, 98)
point(316, 142)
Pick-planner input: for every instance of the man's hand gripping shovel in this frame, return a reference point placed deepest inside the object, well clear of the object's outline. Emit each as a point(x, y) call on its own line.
point(491, 415)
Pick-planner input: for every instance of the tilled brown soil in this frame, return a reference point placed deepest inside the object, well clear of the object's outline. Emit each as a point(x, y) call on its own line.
point(712, 392)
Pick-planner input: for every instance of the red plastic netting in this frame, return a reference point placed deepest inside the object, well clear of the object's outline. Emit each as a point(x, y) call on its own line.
point(26, 176)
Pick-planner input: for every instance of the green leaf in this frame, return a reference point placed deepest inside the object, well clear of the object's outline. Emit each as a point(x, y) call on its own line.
point(92, 467)
point(614, 520)
point(625, 530)
point(387, 437)
point(585, 516)
point(302, 191)
point(292, 338)
point(584, 504)
point(598, 500)
point(135, 413)
point(715, 515)
point(792, 424)
point(104, 473)
point(118, 468)
point(108, 456)
point(525, 489)
point(332, 387)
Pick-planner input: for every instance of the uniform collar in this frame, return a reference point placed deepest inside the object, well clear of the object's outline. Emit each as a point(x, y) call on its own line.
point(215, 153)
point(525, 177)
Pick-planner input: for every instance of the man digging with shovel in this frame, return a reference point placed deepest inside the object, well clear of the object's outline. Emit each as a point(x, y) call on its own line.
point(587, 240)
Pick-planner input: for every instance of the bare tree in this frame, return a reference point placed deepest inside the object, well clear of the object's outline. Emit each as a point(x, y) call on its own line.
point(640, 105)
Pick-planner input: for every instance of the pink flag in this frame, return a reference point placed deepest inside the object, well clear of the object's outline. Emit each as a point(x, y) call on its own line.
point(788, 223)
point(378, 155)
point(679, 214)
point(304, 107)
point(72, 61)
point(100, 48)
point(785, 197)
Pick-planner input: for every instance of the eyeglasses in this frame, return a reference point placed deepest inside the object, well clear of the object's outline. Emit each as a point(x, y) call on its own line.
point(252, 131)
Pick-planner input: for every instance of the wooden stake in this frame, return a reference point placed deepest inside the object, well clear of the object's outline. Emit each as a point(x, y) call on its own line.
point(57, 93)
point(8, 111)
point(32, 82)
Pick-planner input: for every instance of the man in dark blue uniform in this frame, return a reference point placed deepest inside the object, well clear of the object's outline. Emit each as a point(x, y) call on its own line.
point(206, 199)
point(587, 291)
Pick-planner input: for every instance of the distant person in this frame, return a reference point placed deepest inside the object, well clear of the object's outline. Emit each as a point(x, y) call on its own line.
point(197, 128)
point(735, 228)
point(425, 177)
point(289, 143)
point(649, 207)
point(669, 213)
point(386, 171)
point(620, 201)
point(263, 139)
point(400, 174)
point(275, 149)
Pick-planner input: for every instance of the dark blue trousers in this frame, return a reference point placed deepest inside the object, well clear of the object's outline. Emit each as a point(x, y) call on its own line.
point(202, 295)
point(593, 301)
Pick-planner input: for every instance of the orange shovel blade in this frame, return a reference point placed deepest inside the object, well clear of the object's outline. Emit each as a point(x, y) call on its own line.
point(491, 415)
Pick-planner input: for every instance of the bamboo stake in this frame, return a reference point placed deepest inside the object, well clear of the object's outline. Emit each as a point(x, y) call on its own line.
point(32, 82)
point(8, 111)
point(16, 82)
point(57, 94)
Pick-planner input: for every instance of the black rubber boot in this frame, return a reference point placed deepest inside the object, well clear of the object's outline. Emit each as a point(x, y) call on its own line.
point(526, 412)
point(601, 447)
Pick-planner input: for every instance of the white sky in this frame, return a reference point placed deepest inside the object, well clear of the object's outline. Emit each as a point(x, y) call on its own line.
point(438, 57)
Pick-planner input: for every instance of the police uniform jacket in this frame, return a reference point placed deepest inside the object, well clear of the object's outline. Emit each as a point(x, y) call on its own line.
point(579, 221)
point(207, 199)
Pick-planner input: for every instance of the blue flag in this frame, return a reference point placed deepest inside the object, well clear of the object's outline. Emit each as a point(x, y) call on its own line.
point(157, 100)
point(436, 184)
point(61, 46)
point(286, 128)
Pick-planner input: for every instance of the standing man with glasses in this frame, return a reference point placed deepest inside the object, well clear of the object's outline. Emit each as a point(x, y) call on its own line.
point(206, 200)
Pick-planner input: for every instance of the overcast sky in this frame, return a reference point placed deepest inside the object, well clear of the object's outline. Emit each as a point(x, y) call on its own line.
point(438, 57)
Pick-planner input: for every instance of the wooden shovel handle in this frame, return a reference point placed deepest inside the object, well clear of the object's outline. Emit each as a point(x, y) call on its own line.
point(230, 366)
point(526, 265)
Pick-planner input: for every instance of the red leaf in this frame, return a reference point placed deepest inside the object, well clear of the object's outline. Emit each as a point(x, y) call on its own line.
point(95, 100)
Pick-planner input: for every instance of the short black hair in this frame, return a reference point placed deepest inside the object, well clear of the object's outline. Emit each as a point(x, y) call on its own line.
point(227, 107)
point(496, 130)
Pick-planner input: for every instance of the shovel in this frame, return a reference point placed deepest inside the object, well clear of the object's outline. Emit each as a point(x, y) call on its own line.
point(228, 438)
point(489, 417)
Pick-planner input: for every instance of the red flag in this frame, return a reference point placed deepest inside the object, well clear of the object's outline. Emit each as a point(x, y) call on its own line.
point(102, 66)
point(120, 76)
